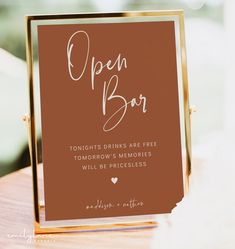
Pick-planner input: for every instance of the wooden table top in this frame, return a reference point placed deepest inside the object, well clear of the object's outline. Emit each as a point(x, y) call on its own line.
point(16, 223)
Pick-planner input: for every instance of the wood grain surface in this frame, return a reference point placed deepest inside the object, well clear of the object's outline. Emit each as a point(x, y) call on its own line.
point(16, 223)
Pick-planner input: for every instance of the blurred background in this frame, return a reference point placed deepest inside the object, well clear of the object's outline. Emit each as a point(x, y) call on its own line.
point(211, 64)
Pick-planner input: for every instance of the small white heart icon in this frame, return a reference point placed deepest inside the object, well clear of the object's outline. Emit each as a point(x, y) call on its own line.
point(114, 180)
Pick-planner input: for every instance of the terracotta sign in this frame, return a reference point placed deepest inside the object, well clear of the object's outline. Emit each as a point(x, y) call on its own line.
point(111, 140)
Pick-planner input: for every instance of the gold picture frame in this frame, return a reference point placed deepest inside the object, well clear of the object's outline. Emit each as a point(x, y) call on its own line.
point(114, 223)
